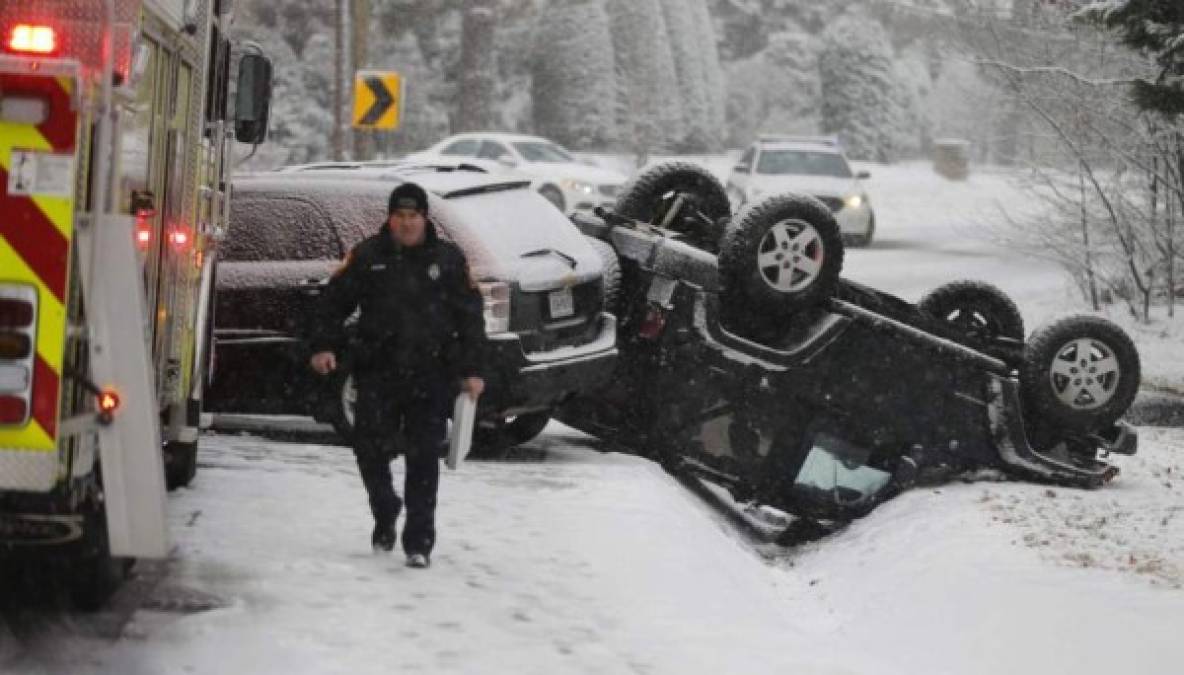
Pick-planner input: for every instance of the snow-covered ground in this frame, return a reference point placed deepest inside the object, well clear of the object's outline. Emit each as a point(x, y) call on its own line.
point(572, 561)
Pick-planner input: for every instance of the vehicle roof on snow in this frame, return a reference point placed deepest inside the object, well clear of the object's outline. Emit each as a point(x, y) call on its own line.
point(789, 140)
point(499, 136)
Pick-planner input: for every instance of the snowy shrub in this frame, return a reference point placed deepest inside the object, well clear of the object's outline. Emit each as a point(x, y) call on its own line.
point(647, 87)
point(573, 86)
point(860, 92)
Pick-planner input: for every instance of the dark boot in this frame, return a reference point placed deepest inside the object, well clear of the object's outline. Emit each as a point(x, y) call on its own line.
point(383, 537)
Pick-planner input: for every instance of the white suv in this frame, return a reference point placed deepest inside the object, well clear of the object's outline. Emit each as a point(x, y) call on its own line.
point(555, 173)
point(808, 165)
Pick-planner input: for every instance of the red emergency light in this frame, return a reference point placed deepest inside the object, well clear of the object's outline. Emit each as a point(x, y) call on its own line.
point(179, 238)
point(32, 39)
point(108, 402)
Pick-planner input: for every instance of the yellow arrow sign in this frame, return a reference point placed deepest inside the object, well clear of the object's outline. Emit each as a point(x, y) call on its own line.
point(378, 99)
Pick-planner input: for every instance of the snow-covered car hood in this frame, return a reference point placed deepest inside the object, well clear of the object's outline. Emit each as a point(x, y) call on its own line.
point(518, 236)
point(823, 186)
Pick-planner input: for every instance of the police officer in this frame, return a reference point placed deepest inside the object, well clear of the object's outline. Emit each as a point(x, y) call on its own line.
point(419, 336)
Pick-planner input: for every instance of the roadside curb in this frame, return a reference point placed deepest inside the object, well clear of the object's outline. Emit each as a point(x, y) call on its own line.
point(1157, 408)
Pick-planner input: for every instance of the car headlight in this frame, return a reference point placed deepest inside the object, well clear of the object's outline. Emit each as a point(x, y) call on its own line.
point(855, 201)
point(578, 186)
point(497, 306)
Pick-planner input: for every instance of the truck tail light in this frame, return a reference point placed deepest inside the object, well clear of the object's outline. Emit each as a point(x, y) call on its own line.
point(497, 306)
point(13, 409)
point(144, 228)
point(18, 337)
point(32, 39)
point(179, 239)
point(15, 313)
point(14, 345)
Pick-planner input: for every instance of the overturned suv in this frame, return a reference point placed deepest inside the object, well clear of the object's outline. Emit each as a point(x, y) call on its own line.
point(747, 360)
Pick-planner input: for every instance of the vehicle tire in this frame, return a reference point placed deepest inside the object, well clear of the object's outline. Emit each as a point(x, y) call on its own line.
point(96, 575)
point(641, 199)
point(1080, 373)
point(555, 196)
point(344, 406)
point(978, 309)
point(180, 464)
point(492, 442)
point(763, 256)
point(612, 274)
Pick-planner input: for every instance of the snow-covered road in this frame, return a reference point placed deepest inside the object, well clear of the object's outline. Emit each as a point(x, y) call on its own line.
point(572, 561)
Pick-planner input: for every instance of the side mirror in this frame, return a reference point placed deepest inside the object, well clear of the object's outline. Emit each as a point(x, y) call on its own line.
point(507, 161)
point(863, 174)
point(252, 99)
point(741, 168)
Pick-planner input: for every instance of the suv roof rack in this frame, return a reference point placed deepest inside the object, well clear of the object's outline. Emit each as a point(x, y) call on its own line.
point(830, 141)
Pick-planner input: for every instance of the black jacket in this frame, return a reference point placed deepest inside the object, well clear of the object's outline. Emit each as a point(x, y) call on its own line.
point(421, 315)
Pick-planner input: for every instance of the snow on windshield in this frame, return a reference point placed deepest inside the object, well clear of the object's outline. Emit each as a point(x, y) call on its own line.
point(543, 152)
point(798, 162)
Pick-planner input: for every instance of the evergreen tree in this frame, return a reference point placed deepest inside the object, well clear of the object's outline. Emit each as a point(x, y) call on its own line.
point(860, 98)
point(647, 86)
point(1155, 28)
point(573, 86)
point(478, 68)
point(685, 36)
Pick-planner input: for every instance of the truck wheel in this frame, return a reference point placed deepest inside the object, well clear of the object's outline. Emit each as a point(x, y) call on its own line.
point(612, 274)
point(180, 464)
point(493, 441)
point(652, 192)
point(978, 309)
point(1080, 373)
point(97, 574)
point(781, 255)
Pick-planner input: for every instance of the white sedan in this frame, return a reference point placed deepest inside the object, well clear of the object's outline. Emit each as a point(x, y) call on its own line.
point(557, 175)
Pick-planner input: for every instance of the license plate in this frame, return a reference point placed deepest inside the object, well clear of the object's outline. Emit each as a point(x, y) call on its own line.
point(561, 303)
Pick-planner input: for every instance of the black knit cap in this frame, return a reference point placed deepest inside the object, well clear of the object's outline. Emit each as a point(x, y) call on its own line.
point(408, 196)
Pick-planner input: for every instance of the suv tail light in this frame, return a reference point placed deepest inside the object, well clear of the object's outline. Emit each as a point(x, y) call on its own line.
point(497, 306)
point(653, 324)
point(18, 337)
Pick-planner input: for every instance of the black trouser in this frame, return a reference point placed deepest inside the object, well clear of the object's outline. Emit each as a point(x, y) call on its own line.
point(407, 415)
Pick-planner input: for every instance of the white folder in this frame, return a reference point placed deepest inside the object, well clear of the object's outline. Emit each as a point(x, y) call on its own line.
point(464, 413)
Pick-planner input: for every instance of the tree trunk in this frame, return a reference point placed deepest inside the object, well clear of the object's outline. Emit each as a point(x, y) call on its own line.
point(1089, 264)
point(338, 79)
point(478, 68)
point(360, 29)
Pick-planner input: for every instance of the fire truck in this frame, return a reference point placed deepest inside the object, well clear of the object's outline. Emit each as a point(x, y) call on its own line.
point(114, 155)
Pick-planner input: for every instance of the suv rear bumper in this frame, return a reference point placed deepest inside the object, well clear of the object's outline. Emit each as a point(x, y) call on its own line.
point(520, 381)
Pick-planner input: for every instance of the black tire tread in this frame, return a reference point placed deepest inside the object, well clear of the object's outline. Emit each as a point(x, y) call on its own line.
point(640, 195)
point(737, 275)
point(612, 274)
point(1041, 347)
point(941, 300)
